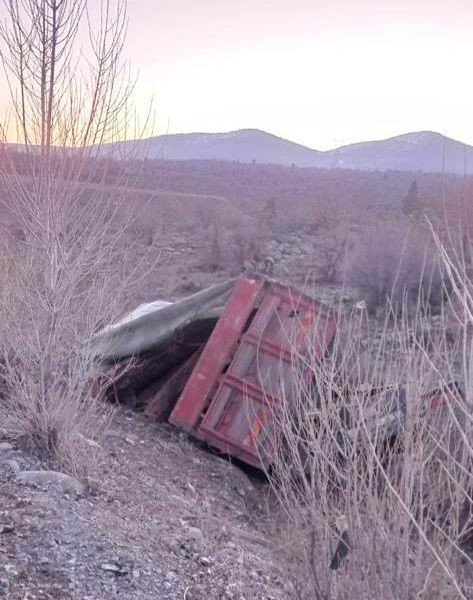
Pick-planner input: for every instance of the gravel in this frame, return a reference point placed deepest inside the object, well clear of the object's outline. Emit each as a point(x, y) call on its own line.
point(167, 520)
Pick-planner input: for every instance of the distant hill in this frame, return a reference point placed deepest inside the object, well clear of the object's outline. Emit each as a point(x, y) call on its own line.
point(421, 151)
point(244, 145)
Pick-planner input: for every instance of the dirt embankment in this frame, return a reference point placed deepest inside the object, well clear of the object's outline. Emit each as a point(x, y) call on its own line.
point(164, 519)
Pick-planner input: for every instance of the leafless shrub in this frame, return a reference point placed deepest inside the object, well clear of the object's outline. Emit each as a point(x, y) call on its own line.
point(396, 266)
point(215, 247)
point(74, 265)
point(248, 240)
point(375, 480)
point(330, 226)
point(231, 246)
point(268, 219)
point(331, 256)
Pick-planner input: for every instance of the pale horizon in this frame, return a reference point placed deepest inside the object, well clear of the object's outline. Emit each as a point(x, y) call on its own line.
point(322, 74)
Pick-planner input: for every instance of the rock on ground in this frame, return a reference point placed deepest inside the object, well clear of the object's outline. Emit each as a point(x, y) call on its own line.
point(166, 520)
point(51, 478)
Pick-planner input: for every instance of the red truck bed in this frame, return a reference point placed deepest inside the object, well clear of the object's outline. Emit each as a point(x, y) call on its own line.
point(248, 364)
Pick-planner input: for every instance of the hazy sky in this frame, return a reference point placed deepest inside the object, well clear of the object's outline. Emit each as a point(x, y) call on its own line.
point(321, 72)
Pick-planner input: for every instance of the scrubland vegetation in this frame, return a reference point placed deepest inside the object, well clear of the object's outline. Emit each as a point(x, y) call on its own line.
point(66, 270)
point(376, 467)
point(84, 238)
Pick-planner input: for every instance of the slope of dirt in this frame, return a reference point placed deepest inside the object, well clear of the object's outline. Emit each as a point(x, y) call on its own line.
point(165, 520)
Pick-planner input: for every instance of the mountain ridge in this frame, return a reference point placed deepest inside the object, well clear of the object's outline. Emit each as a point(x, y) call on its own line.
point(426, 151)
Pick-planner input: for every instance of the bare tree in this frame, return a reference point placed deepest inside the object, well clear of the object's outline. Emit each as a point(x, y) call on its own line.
point(72, 267)
point(410, 204)
point(332, 256)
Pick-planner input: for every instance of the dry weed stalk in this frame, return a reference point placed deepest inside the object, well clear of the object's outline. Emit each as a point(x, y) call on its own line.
point(65, 235)
point(374, 471)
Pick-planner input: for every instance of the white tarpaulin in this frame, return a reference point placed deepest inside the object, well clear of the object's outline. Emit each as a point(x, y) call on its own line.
point(152, 325)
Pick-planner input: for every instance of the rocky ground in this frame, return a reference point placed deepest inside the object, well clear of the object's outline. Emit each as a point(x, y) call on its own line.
point(164, 519)
point(185, 267)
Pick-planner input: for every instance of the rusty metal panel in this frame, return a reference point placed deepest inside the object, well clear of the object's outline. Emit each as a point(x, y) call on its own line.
point(238, 420)
point(247, 366)
point(216, 354)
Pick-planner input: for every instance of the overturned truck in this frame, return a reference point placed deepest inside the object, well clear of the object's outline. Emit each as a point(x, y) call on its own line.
point(217, 363)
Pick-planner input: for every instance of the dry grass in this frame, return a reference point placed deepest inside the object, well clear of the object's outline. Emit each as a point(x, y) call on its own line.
point(358, 456)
